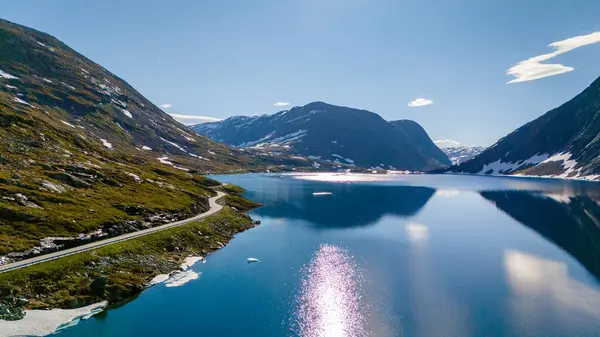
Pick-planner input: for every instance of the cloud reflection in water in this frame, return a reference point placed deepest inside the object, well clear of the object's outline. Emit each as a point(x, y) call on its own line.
point(540, 284)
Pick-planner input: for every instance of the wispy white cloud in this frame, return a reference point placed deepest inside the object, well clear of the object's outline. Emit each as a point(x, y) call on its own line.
point(281, 104)
point(446, 143)
point(189, 119)
point(420, 102)
point(166, 106)
point(533, 68)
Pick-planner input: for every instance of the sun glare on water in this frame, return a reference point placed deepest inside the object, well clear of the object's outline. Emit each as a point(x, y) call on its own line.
point(329, 300)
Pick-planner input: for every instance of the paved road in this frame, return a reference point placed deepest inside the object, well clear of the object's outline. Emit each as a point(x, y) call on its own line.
point(214, 208)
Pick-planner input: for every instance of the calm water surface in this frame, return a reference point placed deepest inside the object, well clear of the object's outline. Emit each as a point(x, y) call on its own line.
point(389, 256)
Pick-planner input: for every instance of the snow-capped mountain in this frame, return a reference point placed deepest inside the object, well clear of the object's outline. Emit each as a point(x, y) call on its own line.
point(461, 154)
point(329, 132)
point(564, 142)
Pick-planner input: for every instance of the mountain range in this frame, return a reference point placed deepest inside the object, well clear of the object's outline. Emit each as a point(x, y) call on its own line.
point(83, 154)
point(460, 154)
point(564, 143)
point(332, 133)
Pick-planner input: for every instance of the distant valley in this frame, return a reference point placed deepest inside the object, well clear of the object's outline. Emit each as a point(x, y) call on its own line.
point(461, 154)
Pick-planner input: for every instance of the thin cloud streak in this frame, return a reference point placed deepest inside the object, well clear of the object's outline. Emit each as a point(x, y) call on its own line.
point(533, 68)
point(281, 104)
point(166, 106)
point(190, 120)
point(420, 102)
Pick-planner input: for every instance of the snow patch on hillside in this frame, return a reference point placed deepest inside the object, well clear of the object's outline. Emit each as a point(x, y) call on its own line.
point(174, 144)
point(127, 113)
point(564, 158)
point(279, 141)
point(165, 160)
point(500, 167)
point(107, 144)
point(52, 49)
point(18, 100)
point(68, 124)
point(7, 75)
point(68, 86)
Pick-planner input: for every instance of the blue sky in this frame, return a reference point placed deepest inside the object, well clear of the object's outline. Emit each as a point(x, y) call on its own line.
point(224, 58)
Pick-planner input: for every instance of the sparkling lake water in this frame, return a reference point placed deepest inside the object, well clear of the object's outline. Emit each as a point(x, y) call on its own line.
point(389, 255)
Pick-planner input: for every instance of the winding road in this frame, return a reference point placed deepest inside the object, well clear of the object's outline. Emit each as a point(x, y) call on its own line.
point(214, 208)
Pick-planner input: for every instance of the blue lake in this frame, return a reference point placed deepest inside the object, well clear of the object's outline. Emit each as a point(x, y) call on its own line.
point(381, 255)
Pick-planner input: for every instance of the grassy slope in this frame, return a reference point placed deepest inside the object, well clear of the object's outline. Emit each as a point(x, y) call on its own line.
point(117, 272)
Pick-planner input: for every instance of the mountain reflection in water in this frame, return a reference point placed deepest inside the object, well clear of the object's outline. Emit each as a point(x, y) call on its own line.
point(570, 222)
point(373, 202)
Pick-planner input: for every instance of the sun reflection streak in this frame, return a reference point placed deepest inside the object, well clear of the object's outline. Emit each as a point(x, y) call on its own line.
point(329, 300)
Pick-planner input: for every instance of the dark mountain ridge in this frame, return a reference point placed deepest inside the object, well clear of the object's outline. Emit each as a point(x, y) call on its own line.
point(330, 132)
point(564, 142)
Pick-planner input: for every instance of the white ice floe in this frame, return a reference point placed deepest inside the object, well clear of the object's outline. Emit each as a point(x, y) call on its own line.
point(165, 160)
point(7, 75)
point(46, 322)
point(127, 113)
point(252, 259)
point(18, 100)
point(322, 193)
point(158, 279)
point(182, 278)
point(146, 148)
point(106, 143)
point(190, 261)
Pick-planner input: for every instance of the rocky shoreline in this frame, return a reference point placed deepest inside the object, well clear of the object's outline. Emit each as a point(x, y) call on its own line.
point(119, 272)
point(52, 244)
